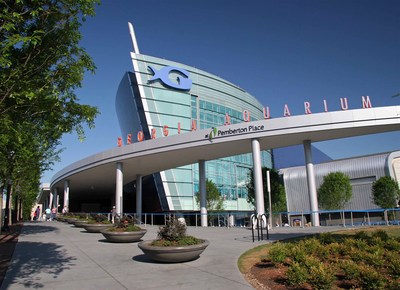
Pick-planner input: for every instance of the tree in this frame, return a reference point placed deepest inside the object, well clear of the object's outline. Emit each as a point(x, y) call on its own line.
point(385, 192)
point(214, 200)
point(278, 196)
point(41, 66)
point(335, 191)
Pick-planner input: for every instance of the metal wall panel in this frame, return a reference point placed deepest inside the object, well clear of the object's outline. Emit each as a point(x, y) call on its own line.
point(363, 171)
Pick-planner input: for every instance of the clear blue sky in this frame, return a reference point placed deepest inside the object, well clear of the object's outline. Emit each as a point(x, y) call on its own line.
point(282, 52)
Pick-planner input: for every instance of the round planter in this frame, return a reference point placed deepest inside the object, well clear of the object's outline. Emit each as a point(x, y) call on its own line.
point(96, 228)
point(80, 223)
point(123, 237)
point(173, 254)
point(71, 220)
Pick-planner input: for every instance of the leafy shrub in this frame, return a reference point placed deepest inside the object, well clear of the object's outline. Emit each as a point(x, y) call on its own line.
point(184, 241)
point(278, 253)
point(361, 235)
point(174, 230)
point(370, 279)
point(350, 268)
point(326, 238)
point(298, 254)
point(393, 265)
point(321, 276)
point(296, 274)
point(380, 234)
point(98, 218)
point(127, 224)
point(392, 245)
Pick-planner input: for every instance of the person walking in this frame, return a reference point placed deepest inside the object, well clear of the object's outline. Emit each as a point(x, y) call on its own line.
point(38, 213)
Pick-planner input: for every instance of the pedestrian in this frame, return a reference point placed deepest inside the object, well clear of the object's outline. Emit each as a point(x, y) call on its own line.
point(37, 213)
point(48, 214)
point(113, 213)
point(65, 209)
point(53, 213)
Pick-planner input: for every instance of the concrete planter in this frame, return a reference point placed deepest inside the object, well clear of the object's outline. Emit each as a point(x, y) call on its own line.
point(123, 237)
point(96, 228)
point(173, 254)
point(80, 223)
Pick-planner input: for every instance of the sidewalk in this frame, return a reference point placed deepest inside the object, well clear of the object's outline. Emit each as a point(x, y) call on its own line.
point(55, 255)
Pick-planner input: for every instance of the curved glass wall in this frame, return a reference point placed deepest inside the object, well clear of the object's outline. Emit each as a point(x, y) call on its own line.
point(158, 105)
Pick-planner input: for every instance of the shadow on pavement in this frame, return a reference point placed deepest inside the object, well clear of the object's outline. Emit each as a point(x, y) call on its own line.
point(33, 229)
point(36, 258)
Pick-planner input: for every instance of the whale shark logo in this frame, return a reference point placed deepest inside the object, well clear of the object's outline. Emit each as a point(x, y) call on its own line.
point(182, 80)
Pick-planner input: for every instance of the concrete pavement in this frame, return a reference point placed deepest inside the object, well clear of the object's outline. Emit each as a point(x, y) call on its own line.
point(55, 255)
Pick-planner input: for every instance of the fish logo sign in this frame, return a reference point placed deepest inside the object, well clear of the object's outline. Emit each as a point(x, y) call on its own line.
point(183, 82)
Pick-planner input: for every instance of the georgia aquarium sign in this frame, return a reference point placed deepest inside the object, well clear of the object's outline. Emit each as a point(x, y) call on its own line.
point(183, 82)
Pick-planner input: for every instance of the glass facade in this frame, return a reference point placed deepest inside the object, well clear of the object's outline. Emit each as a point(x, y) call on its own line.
point(158, 110)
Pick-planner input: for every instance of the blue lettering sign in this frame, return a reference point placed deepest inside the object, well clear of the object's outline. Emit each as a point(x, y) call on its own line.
point(182, 81)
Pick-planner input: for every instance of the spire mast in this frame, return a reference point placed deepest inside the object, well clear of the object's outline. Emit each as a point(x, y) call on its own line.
point(133, 37)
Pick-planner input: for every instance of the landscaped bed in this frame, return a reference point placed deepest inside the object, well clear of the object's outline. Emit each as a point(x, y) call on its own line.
point(367, 258)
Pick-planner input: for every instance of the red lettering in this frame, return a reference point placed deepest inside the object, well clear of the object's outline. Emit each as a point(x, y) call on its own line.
point(325, 106)
point(266, 113)
point(119, 142)
point(194, 126)
point(227, 119)
point(140, 136)
point(344, 104)
point(165, 131)
point(153, 133)
point(179, 127)
point(366, 102)
point(129, 139)
point(307, 109)
point(286, 111)
point(246, 116)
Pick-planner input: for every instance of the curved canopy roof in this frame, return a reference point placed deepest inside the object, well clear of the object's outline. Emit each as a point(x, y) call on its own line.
point(147, 157)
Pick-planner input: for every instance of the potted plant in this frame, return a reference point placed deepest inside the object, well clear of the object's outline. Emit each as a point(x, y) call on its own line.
point(96, 223)
point(124, 231)
point(81, 220)
point(173, 245)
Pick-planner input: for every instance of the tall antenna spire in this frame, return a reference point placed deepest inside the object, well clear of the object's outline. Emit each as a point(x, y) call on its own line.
point(133, 37)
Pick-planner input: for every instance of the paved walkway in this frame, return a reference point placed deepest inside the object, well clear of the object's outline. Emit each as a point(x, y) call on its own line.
point(55, 255)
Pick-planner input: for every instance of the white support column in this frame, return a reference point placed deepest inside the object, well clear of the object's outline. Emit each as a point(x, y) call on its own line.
point(203, 193)
point(119, 182)
point(312, 190)
point(139, 197)
point(55, 198)
point(51, 197)
point(66, 195)
point(258, 180)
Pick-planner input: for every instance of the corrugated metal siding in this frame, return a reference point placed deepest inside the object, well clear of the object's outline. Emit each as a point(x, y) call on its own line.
point(363, 171)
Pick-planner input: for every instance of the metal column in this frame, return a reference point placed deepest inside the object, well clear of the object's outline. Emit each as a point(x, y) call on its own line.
point(312, 190)
point(139, 197)
point(119, 182)
point(203, 193)
point(258, 180)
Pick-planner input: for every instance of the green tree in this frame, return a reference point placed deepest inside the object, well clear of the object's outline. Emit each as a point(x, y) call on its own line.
point(41, 66)
point(214, 200)
point(335, 191)
point(385, 192)
point(278, 195)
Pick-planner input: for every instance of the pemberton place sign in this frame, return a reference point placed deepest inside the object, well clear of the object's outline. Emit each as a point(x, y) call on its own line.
point(215, 132)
